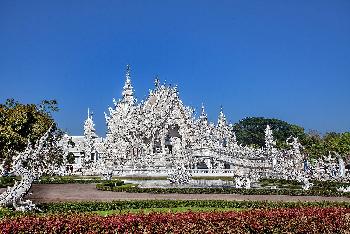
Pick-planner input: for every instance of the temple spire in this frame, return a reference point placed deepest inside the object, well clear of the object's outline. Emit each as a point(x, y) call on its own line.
point(89, 127)
point(156, 82)
point(222, 118)
point(203, 115)
point(128, 92)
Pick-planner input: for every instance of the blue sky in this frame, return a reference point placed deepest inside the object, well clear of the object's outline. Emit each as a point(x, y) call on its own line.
point(283, 59)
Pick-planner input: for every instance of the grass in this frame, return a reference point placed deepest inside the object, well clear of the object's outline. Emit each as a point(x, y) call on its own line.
point(164, 210)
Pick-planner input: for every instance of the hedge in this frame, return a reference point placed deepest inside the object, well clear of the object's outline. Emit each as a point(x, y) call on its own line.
point(135, 189)
point(144, 204)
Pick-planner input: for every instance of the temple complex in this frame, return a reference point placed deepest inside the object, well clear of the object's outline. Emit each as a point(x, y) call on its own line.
point(159, 134)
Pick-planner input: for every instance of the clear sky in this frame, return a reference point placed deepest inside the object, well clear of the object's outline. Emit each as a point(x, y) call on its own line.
point(283, 59)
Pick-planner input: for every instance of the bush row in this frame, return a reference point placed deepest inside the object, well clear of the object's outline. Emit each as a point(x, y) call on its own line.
point(280, 181)
point(134, 189)
point(10, 180)
point(318, 183)
point(144, 204)
point(67, 180)
point(79, 207)
point(330, 185)
point(297, 220)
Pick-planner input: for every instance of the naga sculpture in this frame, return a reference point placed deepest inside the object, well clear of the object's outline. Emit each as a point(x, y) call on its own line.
point(30, 165)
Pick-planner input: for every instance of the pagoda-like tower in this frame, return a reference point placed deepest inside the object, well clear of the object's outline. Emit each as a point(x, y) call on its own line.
point(222, 128)
point(128, 90)
point(90, 137)
point(122, 123)
point(204, 135)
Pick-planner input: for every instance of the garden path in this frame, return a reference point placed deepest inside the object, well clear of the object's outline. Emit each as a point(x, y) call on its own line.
point(88, 192)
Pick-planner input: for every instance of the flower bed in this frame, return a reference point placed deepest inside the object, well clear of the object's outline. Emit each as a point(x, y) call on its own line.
point(297, 220)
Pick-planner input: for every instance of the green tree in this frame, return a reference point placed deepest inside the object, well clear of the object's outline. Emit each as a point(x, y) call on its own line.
point(20, 123)
point(338, 143)
point(318, 146)
point(314, 145)
point(251, 131)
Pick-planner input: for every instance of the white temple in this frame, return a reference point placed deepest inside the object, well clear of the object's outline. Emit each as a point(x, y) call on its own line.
point(155, 136)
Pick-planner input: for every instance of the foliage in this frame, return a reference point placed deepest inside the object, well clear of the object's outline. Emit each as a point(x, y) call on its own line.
point(113, 183)
point(251, 131)
point(6, 181)
point(20, 123)
point(147, 204)
point(124, 206)
point(226, 190)
point(72, 180)
point(328, 185)
point(163, 210)
point(10, 180)
point(334, 143)
point(280, 181)
point(298, 220)
point(314, 145)
point(317, 185)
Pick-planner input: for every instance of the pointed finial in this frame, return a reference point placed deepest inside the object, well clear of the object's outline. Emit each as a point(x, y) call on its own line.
point(203, 114)
point(157, 82)
point(88, 113)
point(222, 117)
point(128, 93)
point(127, 72)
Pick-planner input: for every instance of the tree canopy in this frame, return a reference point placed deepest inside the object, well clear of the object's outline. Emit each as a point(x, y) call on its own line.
point(331, 143)
point(251, 131)
point(20, 123)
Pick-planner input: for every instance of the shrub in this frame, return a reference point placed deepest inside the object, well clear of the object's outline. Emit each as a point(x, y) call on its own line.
point(7, 181)
point(113, 183)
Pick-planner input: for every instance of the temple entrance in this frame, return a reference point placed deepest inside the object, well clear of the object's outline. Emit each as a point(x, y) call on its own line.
point(157, 146)
point(173, 139)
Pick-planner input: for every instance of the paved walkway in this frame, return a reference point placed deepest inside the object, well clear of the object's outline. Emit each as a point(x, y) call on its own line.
point(88, 192)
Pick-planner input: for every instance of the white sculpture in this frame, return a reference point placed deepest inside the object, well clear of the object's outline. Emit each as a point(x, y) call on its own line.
point(29, 165)
point(341, 166)
point(344, 189)
point(243, 182)
point(306, 183)
point(179, 176)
